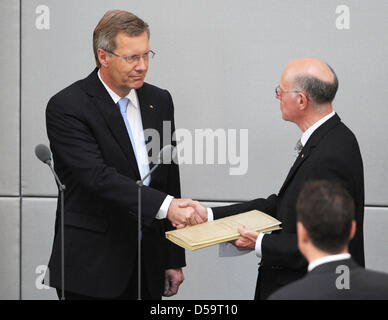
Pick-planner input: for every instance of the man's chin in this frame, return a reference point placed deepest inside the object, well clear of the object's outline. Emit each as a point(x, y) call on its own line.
point(137, 84)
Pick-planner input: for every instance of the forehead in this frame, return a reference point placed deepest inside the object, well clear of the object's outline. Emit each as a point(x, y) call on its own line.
point(286, 78)
point(132, 44)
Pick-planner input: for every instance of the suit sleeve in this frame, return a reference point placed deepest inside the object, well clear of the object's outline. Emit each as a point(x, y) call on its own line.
point(277, 248)
point(281, 249)
point(268, 206)
point(77, 150)
point(175, 254)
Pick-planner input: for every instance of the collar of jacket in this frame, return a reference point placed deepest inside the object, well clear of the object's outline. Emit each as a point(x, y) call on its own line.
point(111, 113)
point(312, 142)
point(333, 265)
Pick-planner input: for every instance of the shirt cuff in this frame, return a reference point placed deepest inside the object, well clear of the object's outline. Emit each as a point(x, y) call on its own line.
point(258, 246)
point(162, 213)
point(210, 216)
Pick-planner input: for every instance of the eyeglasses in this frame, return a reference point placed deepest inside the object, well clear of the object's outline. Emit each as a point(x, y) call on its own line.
point(279, 91)
point(135, 58)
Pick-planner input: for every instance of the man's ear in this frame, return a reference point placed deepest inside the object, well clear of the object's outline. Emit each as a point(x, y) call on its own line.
point(302, 232)
point(352, 230)
point(303, 237)
point(302, 101)
point(102, 57)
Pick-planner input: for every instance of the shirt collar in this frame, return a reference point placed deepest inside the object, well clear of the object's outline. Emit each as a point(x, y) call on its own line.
point(334, 257)
point(115, 97)
point(306, 135)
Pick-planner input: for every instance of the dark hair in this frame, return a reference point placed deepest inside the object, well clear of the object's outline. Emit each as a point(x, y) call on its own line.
point(326, 210)
point(317, 90)
point(113, 21)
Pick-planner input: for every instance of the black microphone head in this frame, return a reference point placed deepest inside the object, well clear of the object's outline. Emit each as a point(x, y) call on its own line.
point(168, 154)
point(43, 153)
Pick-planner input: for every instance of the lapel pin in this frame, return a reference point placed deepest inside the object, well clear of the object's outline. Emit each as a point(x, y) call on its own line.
point(151, 106)
point(302, 156)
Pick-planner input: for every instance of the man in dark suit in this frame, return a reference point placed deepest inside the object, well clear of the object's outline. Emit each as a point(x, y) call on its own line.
point(325, 224)
point(95, 127)
point(327, 149)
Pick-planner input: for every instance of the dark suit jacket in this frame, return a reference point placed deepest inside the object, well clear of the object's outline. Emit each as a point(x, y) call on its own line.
point(94, 158)
point(331, 153)
point(321, 284)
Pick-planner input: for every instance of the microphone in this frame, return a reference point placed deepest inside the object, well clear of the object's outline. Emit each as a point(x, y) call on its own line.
point(43, 153)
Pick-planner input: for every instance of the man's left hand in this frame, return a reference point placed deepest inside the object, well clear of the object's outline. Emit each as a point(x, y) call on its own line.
point(173, 279)
point(248, 238)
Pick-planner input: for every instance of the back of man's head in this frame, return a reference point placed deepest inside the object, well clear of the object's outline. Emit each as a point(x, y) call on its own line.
point(315, 78)
point(319, 91)
point(326, 211)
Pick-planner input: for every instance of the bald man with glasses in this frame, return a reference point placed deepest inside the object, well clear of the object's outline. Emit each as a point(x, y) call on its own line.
point(326, 150)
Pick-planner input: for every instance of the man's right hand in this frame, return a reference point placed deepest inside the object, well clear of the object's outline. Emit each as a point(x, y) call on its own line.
point(199, 208)
point(181, 215)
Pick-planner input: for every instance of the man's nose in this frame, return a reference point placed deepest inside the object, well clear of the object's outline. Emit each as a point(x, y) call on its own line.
point(141, 65)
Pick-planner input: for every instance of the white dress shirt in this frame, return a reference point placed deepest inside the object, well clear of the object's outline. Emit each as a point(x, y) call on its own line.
point(136, 124)
point(327, 259)
point(305, 136)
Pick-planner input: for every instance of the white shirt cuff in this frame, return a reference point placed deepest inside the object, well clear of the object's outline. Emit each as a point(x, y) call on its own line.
point(210, 216)
point(258, 246)
point(162, 213)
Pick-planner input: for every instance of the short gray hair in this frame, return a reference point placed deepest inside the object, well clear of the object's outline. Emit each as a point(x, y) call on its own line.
point(111, 23)
point(317, 90)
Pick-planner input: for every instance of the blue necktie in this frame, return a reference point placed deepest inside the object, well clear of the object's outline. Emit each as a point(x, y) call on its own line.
point(123, 104)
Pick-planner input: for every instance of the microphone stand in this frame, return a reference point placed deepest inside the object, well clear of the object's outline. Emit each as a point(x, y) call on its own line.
point(61, 188)
point(140, 185)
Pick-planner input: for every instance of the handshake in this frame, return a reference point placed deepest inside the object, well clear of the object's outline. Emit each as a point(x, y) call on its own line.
point(184, 212)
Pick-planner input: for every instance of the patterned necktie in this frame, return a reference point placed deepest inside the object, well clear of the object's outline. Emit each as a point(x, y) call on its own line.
point(298, 147)
point(123, 104)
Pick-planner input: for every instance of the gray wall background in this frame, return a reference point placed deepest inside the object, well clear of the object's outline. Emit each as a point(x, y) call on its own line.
point(221, 61)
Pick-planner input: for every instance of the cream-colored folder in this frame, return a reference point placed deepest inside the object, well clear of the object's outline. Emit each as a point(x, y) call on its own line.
point(221, 230)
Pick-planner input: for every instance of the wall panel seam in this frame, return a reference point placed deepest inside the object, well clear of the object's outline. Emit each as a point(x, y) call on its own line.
point(20, 150)
point(200, 200)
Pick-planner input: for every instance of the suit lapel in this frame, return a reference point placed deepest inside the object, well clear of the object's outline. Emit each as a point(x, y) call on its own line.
point(111, 113)
point(148, 112)
point(310, 145)
point(303, 155)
